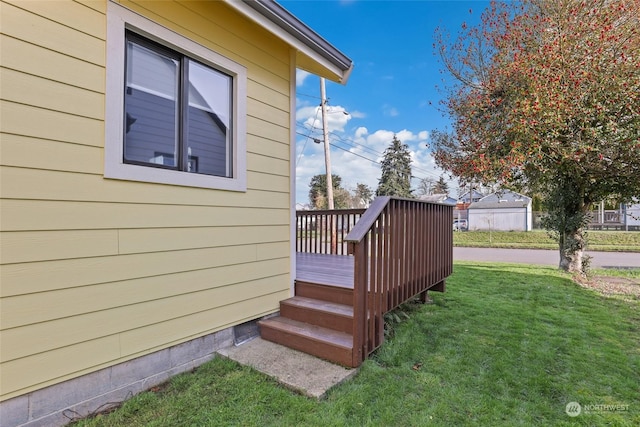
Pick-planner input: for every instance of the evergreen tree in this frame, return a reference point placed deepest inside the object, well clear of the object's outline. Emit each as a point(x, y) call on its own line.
point(318, 192)
point(396, 171)
point(441, 186)
point(362, 195)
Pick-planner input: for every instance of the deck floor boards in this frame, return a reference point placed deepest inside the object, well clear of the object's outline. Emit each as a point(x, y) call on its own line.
point(324, 269)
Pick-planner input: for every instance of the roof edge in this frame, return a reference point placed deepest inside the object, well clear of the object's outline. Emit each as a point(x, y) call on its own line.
point(301, 32)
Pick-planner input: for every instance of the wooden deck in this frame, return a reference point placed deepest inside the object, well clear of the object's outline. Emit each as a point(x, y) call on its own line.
point(399, 249)
point(325, 269)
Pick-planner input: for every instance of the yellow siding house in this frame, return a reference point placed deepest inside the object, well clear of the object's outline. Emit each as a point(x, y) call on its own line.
point(146, 189)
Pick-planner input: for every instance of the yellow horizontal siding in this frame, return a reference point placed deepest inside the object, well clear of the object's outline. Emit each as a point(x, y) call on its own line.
point(156, 335)
point(176, 296)
point(267, 77)
point(55, 185)
point(32, 59)
point(25, 215)
point(34, 153)
point(273, 250)
point(97, 271)
point(259, 163)
point(18, 279)
point(268, 113)
point(34, 246)
point(269, 147)
point(99, 6)
point(30, 246)
point(266, 94)
point(35, 122)
point(24, 310)
point(88, 18)
point(42, 369)
point(266, 181)
point(259, 130)
point(169, 239)
point(27, 26)
point(39, 92)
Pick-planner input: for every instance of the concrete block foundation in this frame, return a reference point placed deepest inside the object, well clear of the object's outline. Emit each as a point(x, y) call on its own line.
point(59, 404)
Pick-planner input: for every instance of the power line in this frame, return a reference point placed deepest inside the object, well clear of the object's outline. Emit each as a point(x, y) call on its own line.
point(307, 139)
point(375, 161)
point(350, 142)
point(344, 149)
point(354, 144)
point(308, 96)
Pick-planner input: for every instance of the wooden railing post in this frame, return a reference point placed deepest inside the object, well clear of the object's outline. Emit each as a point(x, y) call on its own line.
point(360, 303)
point(401, 249)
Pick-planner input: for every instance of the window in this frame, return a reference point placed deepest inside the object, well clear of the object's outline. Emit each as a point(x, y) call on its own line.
point(175, 109)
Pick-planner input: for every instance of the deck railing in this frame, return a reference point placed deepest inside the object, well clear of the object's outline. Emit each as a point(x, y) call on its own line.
point(324, 231)
point(402, 248)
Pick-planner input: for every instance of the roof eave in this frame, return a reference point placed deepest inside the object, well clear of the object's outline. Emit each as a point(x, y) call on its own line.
point(280, 22)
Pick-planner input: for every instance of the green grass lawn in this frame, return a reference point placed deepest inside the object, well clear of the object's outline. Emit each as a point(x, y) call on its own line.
point(506, 345)
point(621, 241)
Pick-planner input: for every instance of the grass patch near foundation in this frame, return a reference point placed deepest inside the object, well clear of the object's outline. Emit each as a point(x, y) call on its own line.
point(506, 345)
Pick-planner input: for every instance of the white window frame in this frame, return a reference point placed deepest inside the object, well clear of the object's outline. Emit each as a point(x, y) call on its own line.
point(120, 19)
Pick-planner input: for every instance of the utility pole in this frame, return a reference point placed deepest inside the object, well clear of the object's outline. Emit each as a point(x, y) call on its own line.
point(325, 134)
point(327, 162)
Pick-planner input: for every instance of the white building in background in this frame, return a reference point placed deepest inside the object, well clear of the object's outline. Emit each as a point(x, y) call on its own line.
point(632, 217)
point(503, 211)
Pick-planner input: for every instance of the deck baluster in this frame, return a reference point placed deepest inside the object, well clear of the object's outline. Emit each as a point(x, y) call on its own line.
point(365, 263)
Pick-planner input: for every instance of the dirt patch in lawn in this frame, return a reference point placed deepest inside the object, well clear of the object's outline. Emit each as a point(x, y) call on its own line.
point(625, 287)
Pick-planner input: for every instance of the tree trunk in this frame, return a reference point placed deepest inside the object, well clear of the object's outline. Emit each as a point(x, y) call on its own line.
point(572, 244)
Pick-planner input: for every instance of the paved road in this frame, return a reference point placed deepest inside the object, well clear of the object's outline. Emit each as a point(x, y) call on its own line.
point(545, 257)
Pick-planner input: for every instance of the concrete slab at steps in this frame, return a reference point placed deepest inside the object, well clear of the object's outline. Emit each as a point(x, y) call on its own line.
point(298, 371)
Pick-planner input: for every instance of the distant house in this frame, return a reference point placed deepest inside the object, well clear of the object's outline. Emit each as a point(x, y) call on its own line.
point(438, 198)
point(626, 217)
point(148, 189)
point(470, 197)
point(504, 210)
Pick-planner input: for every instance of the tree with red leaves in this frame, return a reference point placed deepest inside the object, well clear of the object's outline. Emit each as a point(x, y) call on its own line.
point(548, 98)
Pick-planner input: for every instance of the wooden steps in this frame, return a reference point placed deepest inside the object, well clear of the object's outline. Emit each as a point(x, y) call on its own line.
point(315, 321)
point(326, 314)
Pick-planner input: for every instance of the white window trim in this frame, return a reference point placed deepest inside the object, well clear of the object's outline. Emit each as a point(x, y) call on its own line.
point(120, 19)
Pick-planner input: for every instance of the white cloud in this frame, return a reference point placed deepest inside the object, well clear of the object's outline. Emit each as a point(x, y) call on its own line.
point(361, 132)
point(311, 118)
point(301, 76)
point(352, 165)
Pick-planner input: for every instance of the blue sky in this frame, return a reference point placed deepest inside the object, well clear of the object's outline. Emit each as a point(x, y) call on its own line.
point(392, 89)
